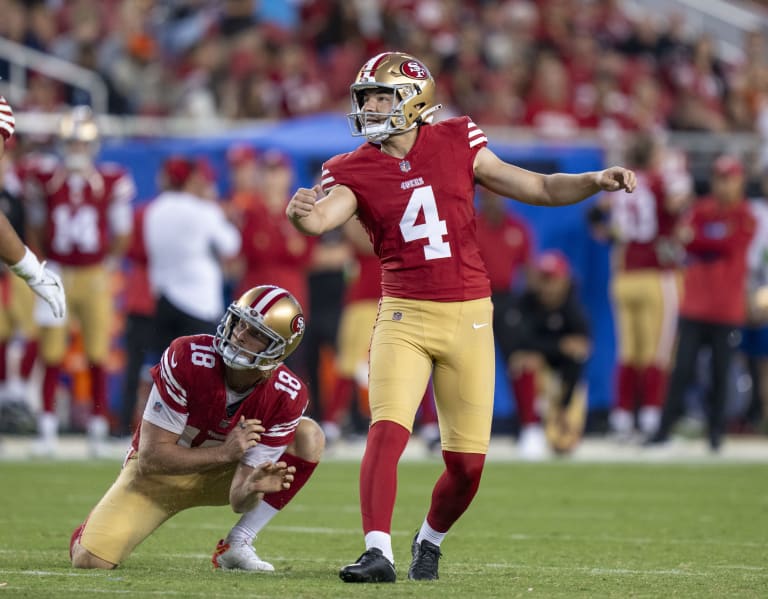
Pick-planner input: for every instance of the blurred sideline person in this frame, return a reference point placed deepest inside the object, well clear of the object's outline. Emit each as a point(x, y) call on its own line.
point(546, 341)
point(81, 216)
point(187, 236)
point(139, 308)
point(17, 319)
point(412, 187)
point(222, 425)
point(272, 250)
point(716, 234)
point(506, 246)
point(754, 342)
point(645, 282)
point(14, 253)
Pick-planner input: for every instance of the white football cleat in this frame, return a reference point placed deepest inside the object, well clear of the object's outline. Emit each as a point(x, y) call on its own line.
point(241, 556)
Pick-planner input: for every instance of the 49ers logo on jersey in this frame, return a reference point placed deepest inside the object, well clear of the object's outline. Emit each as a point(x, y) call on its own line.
point(297, 324)
point(414, 69)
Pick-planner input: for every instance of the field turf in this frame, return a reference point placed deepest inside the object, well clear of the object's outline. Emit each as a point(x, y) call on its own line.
point(535, 530)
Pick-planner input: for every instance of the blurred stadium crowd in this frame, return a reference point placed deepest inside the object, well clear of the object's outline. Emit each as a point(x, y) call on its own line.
point(561, 68)
point(555, 65)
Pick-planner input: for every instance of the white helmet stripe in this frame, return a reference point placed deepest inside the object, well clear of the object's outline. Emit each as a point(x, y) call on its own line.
point(268, 299)
point(371, 65)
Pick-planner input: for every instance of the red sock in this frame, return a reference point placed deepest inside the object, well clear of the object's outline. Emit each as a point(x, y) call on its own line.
point(524, 385)
point(304, 470)
point(28, 359)
point(654, 386)
point(50, 382)
point(342, 397)
point(455, 489)
point(627, 382)
point(378, 474)
point(99, 390)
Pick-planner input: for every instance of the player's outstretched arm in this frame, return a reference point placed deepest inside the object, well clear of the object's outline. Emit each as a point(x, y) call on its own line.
point(313, 214)
point(559, 189)
point(250, 484)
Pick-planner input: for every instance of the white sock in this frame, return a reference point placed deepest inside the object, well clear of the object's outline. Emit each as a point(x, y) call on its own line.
point(251, 523)
point(621, 421)
point(430, 534)
point(380, 540)
point(650, 417)
point(48, 426)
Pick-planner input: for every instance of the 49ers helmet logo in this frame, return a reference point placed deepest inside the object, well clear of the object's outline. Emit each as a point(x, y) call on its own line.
point(414, 69)
point(297, 324)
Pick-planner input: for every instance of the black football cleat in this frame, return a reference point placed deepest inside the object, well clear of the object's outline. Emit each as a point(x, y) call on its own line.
point(372, 566)
point(425, 558)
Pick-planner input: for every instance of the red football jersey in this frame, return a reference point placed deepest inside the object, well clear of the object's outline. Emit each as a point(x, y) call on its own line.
point(78, 209)
point(419, 211)
point(190, 380)
point(644, 226)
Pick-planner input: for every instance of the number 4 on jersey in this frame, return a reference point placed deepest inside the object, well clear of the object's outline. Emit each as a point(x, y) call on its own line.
point(433, 229)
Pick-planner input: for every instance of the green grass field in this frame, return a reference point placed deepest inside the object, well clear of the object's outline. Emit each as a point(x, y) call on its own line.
point(535, 530)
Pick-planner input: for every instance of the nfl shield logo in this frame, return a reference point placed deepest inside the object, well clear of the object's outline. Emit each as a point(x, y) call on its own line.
point(397, 316)
point(405, 166)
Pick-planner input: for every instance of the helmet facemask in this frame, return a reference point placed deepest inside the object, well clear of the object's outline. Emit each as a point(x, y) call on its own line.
point(286, 316)
point(238, 357)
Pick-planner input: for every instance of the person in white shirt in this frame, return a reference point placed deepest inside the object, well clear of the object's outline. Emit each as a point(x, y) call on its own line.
point(187, 236)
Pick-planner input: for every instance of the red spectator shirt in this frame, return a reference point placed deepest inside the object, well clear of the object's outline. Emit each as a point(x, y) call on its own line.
point(644, 226)
point(77, 209)
point(505, 248)
point(138, 293)
point(716, 275)
point(366, 284)
point(275, 253)
point(419, 211)
point(190, 382)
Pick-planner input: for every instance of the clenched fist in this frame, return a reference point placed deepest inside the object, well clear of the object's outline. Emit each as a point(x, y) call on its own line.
point(303, 202)
point(616, 178)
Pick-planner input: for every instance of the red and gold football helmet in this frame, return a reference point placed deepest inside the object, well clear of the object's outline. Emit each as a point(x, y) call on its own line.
point(412, 88)
point(275, 314)
point(79, 136)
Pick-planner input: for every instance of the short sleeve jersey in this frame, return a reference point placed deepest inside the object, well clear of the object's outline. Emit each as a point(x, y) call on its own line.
point(77, 209)
point(190, 382)
point(644, 225)
point(419, 211)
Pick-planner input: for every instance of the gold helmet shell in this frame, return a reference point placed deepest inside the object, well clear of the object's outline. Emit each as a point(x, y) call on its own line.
point(412, 88)
point(79, 124)
point(275, 314)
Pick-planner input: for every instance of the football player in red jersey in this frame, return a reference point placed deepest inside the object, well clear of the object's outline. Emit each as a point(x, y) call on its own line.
point(223, 424)
point(412, 187)
point(80, 213)
point(13, 252)
point(645, 282)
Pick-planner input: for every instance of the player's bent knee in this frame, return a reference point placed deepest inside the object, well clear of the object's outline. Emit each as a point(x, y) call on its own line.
point(84, 559)
point(309, 442)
